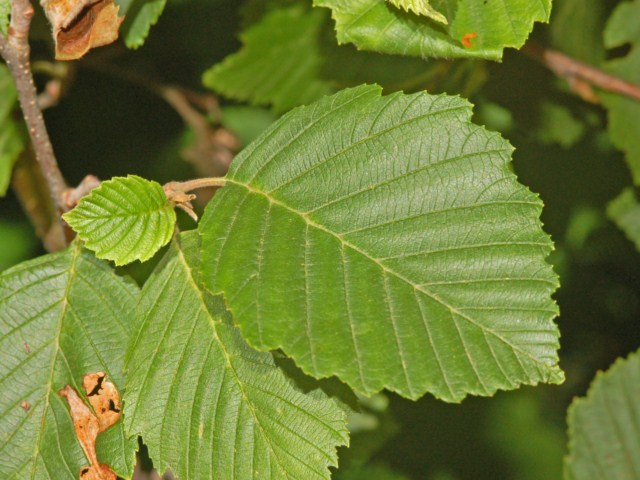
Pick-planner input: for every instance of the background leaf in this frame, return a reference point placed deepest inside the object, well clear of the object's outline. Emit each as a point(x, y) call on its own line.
point(11, 143)
point(375, 25)
point(624, 210)
point(622, 29)
point(206, 404)
point(279, 64)
point(61, 316)
point(261, 71)
point(576, 29)
point(141, 15)
point(124, 219)
point(384, 240)
point(5, 12)
point(604, 427)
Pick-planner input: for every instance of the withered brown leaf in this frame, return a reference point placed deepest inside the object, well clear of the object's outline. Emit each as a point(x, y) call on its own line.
point(105, 401)
point(79, 25)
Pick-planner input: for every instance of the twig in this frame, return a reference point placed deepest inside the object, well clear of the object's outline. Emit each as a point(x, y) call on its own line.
point(580, 75)
point(15, 51)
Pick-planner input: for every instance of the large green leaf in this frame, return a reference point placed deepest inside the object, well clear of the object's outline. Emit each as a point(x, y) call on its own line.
point(384, 240)
point(124, 219)
point(11, 143)
point(604, 427)
point(206, 404)
point(61, 316)
point(622, 29)
point(490, 25)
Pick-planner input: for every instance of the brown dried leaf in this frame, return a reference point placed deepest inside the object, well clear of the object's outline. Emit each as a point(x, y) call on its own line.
point(105, 400)
point(103, 397)
point(85, 423)
point(79, 25)
point(101, 472)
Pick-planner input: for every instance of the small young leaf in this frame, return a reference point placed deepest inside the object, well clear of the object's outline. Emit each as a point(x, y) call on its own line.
point(206, 404)
point(61, 316)
point(140, 16)
point(420, 7)
point(124, 219)
point(11, 143)
point(604, 426)
point(285, 41)
point(384, 240)
point(492, 25)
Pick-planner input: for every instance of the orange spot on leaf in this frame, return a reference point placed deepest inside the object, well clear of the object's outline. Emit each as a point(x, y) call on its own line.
point(466, 39)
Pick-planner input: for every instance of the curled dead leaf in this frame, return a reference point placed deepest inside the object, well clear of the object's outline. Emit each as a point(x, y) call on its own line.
point(105, 401)
point(79, 25)
point(103, 397)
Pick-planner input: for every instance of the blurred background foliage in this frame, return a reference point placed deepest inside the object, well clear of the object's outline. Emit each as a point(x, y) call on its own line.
point(110, 121)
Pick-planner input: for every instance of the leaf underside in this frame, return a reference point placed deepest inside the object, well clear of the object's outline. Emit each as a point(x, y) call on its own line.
point(419, 7)
point(124, 219)
point(206, 404)
point(385, 241)
point(490, 26)
point(62, 315)
point(604, 427)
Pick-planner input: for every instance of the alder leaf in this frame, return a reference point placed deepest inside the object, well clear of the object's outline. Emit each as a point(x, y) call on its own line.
point(622, 29)
point(61, 316)
point(285, 41)
point(384, 240)
point(604, 426)
point(419, 7)
point(11, 142)
point(140, 16)
point(206, 404)
point(477, 29)
point(124, 219)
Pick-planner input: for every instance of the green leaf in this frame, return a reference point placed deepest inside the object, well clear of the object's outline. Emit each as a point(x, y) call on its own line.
point(11, 143)
point(576, 29)
point(375, 25)
point(624, 211)
point(384, 240)
point(124, 219)
point(622, 28)
point(141, 15)
point(296, 35)
point(5, 12)
point(61, 316)
point(420, 7)
point(279, 64)
point(206, 404)
point(604, 427)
